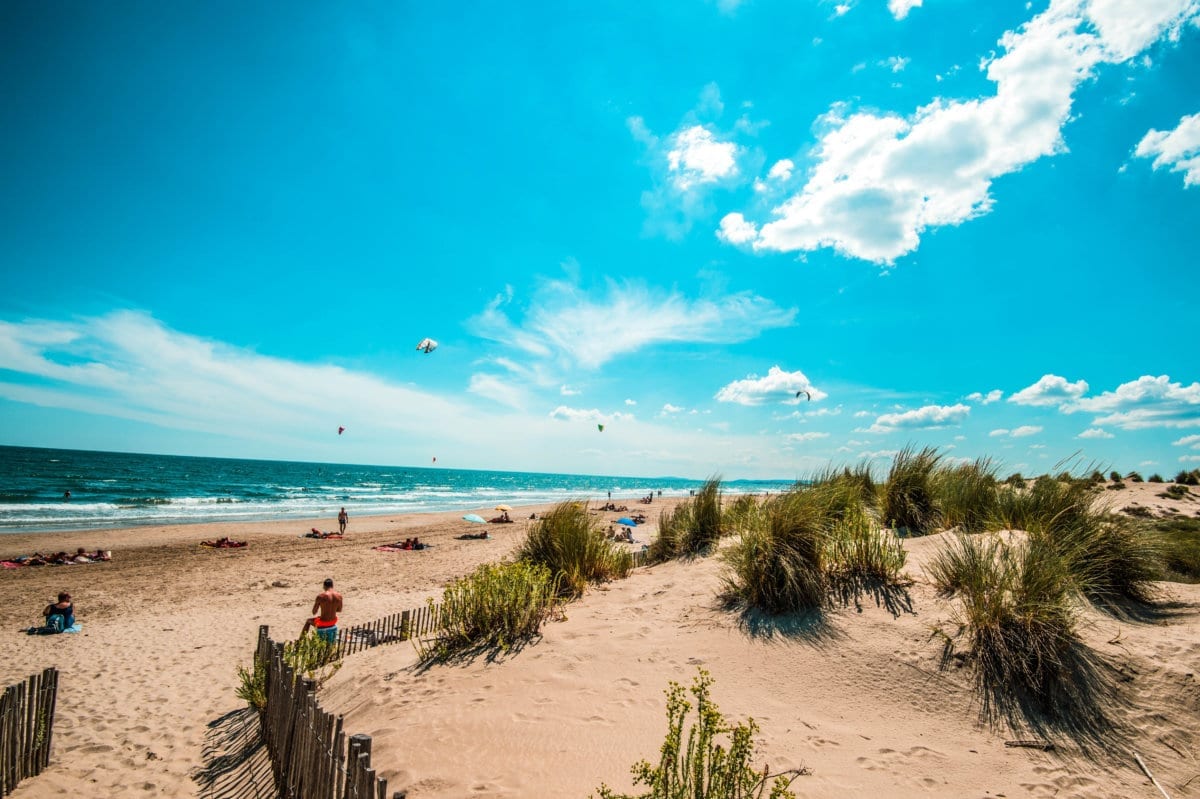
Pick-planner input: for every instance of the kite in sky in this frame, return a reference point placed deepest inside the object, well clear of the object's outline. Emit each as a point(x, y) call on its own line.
point(341, 430)
point(427, 345)
point(805, 393)
point(600, 427)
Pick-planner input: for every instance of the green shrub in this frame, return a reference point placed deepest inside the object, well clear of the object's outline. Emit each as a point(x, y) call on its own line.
point(312, 657)
point(848, 488)
point(672, 527)
point(777, 566)
point(856, 547)
point(571, 542)
point(1154, 478)
point(252, 685)
point(908, 494)
point(966, 494)
point(498, 606)
point(1097, 476)
point(1188, 478)
point(1015, 611)
point(1016, 480)
point(1115, 476)
point(1045, 504)
point(703, 768)
point(1134, 477)
point(737, 516)
point(1176, 491)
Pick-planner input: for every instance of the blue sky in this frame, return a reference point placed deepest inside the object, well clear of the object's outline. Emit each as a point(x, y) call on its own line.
point(961, 224)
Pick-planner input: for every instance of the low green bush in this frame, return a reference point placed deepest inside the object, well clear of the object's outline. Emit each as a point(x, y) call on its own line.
point(312, 657)
point(966, 494)
point(856, 547)
point(498, 606)
point(1154, 478)
point(252, 685)
point(703, 768)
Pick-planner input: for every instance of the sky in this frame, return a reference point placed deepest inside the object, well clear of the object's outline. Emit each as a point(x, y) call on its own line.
point(750, 238)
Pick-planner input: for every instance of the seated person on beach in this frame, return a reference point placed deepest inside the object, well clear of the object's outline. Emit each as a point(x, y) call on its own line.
point(224, 543)
point(501, 519)
point(60, 615)
point(325, 610)
point(482, 535)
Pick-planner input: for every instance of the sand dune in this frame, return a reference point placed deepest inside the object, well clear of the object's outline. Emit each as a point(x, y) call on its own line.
point(854, 695)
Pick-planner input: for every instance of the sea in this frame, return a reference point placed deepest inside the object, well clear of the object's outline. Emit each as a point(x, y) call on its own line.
point(120, 489)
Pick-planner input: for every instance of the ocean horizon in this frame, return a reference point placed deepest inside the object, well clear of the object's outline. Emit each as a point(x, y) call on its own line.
point(110, 490)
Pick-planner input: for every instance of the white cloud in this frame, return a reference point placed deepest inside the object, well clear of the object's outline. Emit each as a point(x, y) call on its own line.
point(668, 408)
point(878, 454)
point(880, 181)
point(1178, 149)
point(986, 399)
point(1095, 432)
point(736, 230)
point(861, 414)
point(1025, 430)
point(567, 391)
point(589, 328)
point(777, 386)
point(498, 389)
point(1189, 458)
point(568, 414)
point(781, 169)
point(999, 432)
point(1050, 390)
point(1187, 441)
point(900, 8)
point(1144, 403)
point(930, 417)
point(630, 402)
point(841, 8)
point(697, 157)
point(895, 63)
point(805, 436)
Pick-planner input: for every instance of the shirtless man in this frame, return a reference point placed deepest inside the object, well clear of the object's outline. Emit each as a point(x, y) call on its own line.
point(343, 517)
point(325, 610)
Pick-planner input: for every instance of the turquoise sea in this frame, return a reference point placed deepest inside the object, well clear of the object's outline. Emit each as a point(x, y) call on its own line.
point(118, 489)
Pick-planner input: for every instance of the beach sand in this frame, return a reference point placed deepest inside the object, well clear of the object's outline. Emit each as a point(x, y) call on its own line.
point(854, 695)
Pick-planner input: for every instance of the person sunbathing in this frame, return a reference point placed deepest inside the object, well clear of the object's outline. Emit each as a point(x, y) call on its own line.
point(224, 543)
point(60, 615)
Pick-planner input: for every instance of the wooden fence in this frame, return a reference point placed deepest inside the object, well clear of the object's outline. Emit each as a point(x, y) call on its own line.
point(390, 629)
point(26, 726)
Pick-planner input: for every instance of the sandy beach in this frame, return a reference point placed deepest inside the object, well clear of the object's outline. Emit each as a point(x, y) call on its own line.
point(854, 695)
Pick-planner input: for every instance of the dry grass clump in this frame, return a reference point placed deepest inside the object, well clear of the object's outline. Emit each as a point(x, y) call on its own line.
point(498, 606)
point(966, 494)
point(737, 516)
point(704, 769)
point(571, 543)
point(1180, 540)
point(908, 497)
point(848, 488)
point(1017, 615)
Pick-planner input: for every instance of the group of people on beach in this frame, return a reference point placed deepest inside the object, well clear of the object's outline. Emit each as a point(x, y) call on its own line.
point(58, 558)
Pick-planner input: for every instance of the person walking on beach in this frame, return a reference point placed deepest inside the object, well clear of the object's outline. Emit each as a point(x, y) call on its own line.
point(343, 517)
point(325, 613)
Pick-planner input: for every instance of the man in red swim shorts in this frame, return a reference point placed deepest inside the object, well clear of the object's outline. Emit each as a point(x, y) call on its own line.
point(325, 613)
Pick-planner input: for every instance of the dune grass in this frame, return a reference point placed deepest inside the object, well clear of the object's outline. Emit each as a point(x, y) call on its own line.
point(1016, 613)
point(908, 500)
point(570, 542)
point(857, 548)
point(498, 606)
point(1180, 549)
point(693, 527)
point(777, 565)
point(700, 767)
point(848, 488)
point(965, 495)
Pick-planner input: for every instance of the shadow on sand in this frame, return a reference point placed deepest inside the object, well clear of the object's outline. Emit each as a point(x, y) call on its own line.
point(235, 762)
point(892, 597)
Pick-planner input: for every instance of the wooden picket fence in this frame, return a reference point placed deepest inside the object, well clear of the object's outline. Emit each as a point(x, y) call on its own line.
point(26, 727)
point(389, 630)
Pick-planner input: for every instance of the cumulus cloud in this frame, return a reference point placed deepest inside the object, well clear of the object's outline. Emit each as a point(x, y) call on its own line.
point(568, 414)
point(781, 169)
point(1050, 390)
point(698, 157)
point(1144, 403)
point(930, 417)
point(986, 399)
point(895, 63)
point(881, 180)
point(900, 8)
point(777, 386)
point(630, 402)
point(589, 328)
point(1018, 432)
point(668, 409)
point(736, 230)
point(1177, 150)
point(567, 391)
point(1095, 432)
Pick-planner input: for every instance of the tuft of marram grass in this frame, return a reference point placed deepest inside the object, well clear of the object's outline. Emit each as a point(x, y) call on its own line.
point(570, 542)
point(777, 565)
point(702, 535)
point(857, 547)
point(499, 605)
point(908, 501)
point(966, 494)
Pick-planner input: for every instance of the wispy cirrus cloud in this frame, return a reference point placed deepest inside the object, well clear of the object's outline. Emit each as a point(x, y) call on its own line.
point(568, 414)
point(1177, 150)
point(776, 386)
point(929, 417)
point(881, 180)
point(590, 328)
point(799, 437)
point(1187, 441)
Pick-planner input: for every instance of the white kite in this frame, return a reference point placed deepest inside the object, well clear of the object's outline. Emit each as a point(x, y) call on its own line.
point(427, 345)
